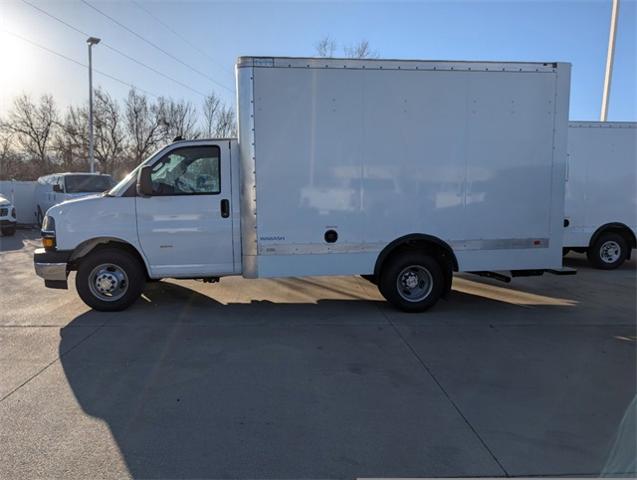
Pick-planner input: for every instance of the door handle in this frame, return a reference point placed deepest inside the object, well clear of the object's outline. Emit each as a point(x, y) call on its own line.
point(225, 208)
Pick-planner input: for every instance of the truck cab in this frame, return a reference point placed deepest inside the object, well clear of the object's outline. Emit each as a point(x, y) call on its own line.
point(175, 216)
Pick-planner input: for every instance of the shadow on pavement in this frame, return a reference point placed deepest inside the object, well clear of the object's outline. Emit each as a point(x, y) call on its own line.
point(18, 241)
point(193, 388)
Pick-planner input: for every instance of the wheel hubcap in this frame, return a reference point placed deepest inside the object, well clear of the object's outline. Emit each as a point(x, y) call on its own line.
point(108, 282)
point(610, 251)
point(414, 283)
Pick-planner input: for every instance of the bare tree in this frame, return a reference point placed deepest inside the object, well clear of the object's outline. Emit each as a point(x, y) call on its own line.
point(177, 119)
point(142, 125)
point(10, 164)
point(71, 139)
point(34, 141)
point(225, 125)
point(325, 47)
point(360, 50)
point(33, 125)
point(211, 106)
point(6, 142)
point(109, 134)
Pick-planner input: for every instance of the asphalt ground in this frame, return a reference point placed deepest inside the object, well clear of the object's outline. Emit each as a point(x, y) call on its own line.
point(317, 378)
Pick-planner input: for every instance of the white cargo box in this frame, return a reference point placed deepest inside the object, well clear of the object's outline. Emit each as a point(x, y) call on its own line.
point(471, 154)
point(601, 187)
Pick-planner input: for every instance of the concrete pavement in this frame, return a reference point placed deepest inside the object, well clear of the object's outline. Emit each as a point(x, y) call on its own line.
point(315, 378)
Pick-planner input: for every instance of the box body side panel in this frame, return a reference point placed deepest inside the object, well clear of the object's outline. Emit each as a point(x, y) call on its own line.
point(471, 157)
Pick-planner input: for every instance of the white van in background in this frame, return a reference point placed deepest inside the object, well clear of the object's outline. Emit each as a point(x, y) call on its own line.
point(59, 187)
point(601, 192)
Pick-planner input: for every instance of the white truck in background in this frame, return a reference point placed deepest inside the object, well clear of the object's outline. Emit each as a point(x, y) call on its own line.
point(400, 171)
point(59, 187)
point(8, 217)
point(601, 192)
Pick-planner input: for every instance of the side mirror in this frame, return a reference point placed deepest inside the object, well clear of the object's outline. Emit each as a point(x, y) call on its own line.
point(144, 183)
point(57, 188)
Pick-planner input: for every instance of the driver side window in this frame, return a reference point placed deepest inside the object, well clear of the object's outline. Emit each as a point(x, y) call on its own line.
point(188, 171)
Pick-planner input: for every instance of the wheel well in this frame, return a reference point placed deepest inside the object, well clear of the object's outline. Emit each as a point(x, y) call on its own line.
point(95, 244)
point(434, 246)
point(618, 228)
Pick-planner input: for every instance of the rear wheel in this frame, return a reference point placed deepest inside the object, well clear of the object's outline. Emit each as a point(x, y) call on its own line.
point(40, 217)
point(110, 279)
point(412, 281)
point(609, 251)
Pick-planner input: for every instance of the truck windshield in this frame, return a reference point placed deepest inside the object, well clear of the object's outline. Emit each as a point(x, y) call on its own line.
point(87, 183)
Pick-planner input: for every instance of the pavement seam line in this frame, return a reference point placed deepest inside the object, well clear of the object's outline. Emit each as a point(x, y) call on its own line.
point(47, 326)
point(56, 359)
point(445, 393)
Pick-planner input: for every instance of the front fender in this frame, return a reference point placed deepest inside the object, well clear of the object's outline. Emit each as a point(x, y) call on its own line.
point(82, 224)
point(87, 246)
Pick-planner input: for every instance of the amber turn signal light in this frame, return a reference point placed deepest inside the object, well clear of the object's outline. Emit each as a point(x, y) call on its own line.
point(48, 242)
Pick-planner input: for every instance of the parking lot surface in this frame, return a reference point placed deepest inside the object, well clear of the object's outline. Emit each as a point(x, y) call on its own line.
point(317, 378)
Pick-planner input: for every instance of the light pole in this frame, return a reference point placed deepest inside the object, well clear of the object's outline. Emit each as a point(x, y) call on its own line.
point(90, 41)
point(608, 74)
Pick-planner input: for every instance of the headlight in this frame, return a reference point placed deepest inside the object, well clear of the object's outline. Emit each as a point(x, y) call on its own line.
point(48, 225)
point(48, 233)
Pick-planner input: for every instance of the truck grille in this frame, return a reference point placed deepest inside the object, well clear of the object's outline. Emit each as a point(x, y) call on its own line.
point(4, 212)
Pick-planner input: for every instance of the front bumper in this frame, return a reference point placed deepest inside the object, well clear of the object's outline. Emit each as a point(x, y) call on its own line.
point(52, 266)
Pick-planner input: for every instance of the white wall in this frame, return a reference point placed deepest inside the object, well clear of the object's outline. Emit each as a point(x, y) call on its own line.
point(22, 194)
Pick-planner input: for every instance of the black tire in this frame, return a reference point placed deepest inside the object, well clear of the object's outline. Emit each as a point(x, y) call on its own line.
point(608, 252)
point(40, 217)
point(8, 231)
point(130, 284)
point(399, 266)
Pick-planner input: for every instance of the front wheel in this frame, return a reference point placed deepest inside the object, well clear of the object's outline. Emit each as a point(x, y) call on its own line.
point(412, 281)
point(609, 251)
point(109, 280)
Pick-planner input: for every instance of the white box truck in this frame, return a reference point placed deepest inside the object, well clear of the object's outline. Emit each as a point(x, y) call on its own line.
point(601, 192)
point(400, 171)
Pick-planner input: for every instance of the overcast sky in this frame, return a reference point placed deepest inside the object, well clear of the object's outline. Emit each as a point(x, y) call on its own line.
point(210, 35)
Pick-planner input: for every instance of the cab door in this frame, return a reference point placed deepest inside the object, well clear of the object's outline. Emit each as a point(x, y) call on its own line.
point(185, 227)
